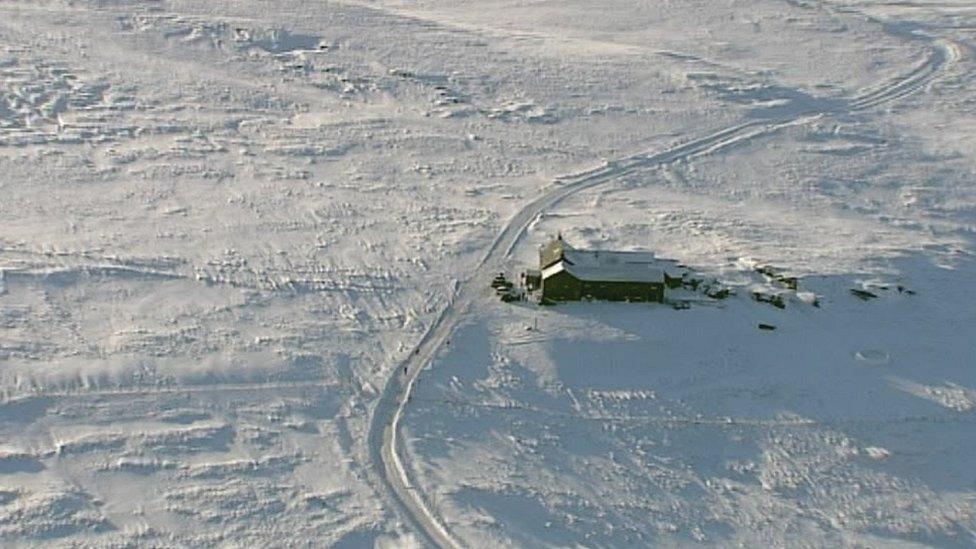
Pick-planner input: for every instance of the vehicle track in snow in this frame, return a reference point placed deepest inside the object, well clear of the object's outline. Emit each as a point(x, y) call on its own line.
point(943, 54)
point(383, 438)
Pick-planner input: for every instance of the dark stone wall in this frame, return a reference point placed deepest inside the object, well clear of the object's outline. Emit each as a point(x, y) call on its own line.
point(562, 286)
point(623, 291)
point(565, 287)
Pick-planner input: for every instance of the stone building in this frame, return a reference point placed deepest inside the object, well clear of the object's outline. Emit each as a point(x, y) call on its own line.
point(569, 274)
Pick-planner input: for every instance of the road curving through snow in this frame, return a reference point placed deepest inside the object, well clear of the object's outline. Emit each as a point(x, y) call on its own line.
point(383, 438)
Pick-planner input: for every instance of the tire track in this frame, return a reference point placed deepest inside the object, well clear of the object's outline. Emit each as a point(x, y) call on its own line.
point(944, 53)
point(149, 390)
point(383, 438)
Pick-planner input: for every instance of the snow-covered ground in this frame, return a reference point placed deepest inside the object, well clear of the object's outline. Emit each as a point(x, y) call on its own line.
point(226, 227)
point(621, 425)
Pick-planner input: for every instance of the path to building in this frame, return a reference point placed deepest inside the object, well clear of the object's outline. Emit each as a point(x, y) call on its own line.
point(384, 448)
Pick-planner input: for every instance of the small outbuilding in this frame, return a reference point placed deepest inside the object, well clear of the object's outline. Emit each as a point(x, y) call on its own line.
point(569, 274)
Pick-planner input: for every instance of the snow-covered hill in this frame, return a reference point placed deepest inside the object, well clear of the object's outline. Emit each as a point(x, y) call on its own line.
point(226, 228)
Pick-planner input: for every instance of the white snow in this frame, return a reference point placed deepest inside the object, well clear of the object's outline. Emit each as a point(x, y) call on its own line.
point(226, 227)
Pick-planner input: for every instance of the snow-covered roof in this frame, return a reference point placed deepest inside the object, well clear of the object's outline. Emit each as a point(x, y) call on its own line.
point(556, 267)
point(611, 266)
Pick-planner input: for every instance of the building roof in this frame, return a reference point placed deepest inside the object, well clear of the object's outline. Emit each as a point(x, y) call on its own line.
point(610, 266)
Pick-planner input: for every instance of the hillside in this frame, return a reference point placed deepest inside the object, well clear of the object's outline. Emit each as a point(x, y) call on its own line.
point(245, 250)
